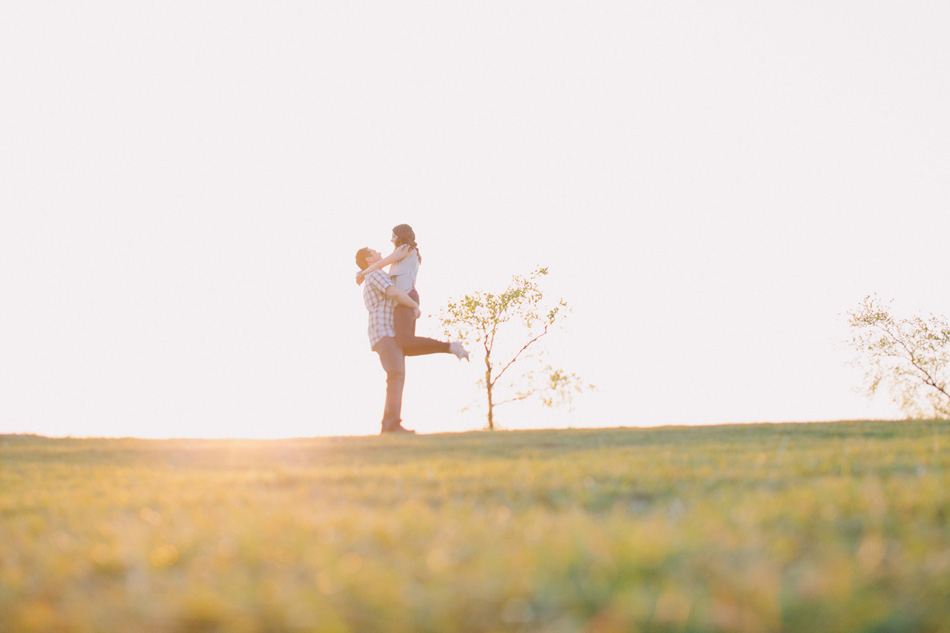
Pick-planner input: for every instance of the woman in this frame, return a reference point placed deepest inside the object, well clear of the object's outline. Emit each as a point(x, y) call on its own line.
point(403, 265)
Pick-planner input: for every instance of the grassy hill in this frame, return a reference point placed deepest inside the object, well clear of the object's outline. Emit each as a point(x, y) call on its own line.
point(797, 527)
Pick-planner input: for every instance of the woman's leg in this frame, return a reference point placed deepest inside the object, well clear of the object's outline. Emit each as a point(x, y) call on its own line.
point(412, 345)
point(404, 323)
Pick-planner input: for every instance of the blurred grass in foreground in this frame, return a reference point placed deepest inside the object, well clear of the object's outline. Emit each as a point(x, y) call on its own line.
point(798, 527)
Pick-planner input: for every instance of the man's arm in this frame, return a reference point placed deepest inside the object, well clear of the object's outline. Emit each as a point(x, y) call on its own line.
point(402, 297)
point(397, 255)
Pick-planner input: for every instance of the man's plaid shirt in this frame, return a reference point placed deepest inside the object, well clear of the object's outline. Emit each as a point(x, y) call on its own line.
point(379, 306)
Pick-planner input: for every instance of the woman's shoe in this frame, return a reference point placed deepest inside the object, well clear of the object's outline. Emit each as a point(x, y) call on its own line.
point(460, 352)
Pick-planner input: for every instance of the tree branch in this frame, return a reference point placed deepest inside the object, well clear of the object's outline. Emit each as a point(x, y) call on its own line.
point(515, 399)
point(928, 380)
point(512, 361)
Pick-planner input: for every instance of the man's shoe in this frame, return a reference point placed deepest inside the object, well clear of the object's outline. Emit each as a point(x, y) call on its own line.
point(396, 428)
point(400, 429)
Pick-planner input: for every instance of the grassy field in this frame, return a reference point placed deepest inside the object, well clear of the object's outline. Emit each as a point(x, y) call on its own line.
point(807, 527)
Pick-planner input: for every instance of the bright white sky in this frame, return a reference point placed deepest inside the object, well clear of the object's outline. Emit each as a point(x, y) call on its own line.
point(184, 185)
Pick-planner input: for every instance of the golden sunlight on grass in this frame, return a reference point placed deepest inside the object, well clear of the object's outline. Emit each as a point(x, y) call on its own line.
point(821, 527)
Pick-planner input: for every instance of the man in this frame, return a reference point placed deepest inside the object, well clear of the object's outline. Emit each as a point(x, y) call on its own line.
point(380, 296)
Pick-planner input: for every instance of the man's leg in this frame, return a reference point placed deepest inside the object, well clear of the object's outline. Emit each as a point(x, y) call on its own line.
point(394, 364)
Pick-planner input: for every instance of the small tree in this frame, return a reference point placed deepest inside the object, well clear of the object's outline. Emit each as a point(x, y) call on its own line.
point(508, 325)
point(910, 357)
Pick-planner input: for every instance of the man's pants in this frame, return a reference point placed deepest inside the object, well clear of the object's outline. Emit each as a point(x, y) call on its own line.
point(394, 363)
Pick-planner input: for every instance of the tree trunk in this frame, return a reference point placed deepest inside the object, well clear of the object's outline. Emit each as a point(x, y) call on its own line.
point(488, 385)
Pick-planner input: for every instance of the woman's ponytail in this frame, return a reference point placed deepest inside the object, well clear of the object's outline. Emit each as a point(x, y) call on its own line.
point(405, 235)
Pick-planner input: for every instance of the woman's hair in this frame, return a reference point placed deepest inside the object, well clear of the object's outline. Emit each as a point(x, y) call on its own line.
point(405, 235)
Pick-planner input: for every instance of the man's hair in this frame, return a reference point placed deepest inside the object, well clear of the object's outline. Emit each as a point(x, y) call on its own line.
point(361, 256)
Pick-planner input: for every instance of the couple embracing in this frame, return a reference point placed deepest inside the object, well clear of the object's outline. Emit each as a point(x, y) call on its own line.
point(393, 305)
